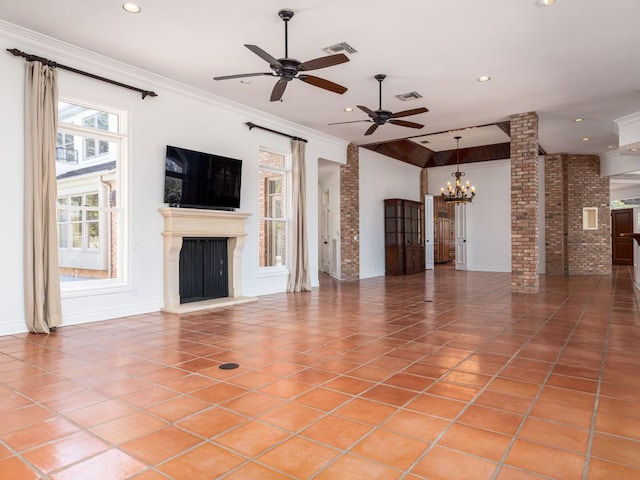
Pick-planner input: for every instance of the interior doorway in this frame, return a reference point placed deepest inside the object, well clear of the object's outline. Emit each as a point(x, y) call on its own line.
point(621, 247)
point(444, 241)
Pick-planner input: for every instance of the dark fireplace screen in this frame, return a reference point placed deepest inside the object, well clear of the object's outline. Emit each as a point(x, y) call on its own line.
point(204, 272)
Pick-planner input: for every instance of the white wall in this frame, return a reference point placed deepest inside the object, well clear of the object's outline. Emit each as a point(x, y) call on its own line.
point(380, 177)
point(179, 116)
point(488, 217)
point(331, 183)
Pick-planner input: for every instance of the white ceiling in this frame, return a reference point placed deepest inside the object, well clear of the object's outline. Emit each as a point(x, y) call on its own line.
point(576, 58)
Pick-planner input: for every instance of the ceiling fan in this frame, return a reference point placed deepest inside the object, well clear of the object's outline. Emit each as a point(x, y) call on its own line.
point(289, 68)
point(380, 116)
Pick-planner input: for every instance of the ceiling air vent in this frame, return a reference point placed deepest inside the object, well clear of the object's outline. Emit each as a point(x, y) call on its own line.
point(340, 47)
point(405, 97)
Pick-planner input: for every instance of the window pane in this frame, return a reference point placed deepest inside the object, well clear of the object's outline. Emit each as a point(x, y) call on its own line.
point(63, 235)
point(94, 234)
point(91, 200)
point(92, 215)
point(76, 233)
point(89, 147)
point(74, 114)
point(272, 243)
point(63, 215)
point(76, 215)
point(272, 195)
point(271, 159)
point(63, 201)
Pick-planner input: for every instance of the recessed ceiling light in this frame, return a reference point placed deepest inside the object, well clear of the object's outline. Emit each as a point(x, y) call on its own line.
point(578, 119)
point(545, 3)
point(348, 109)
point(245, 82)
point(634, 149)
point(586, 139)
point(484, 78)
point(611, 146)
point(131, 8)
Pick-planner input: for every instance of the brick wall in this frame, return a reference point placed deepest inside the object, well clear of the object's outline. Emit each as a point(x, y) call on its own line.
point(350, 216)
point(555, 179)
point(573, 182)
point(524, 203)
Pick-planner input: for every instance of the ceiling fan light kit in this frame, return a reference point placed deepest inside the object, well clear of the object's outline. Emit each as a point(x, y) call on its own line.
point(287, 69)
point(380, 116)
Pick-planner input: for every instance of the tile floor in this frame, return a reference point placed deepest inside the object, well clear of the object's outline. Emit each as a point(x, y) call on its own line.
point(445, 375)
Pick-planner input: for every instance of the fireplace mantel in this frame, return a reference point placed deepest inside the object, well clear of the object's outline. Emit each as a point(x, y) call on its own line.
point(199, 223)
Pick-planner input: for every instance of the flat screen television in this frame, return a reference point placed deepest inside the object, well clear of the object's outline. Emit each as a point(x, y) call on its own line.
point(201, 180)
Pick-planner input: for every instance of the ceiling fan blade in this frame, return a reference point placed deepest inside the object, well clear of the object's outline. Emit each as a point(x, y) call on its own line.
point(244, 75)
point(324, 62)
point(368, 111)
point(404, 123)
point(353, 121)
point(322, 83)
point(278, 90)
point(264, 55)
point(371, 129)
point(407, 113)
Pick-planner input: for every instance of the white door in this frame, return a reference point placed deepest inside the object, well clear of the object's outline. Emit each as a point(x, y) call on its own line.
point(326, 233)
point(461, 236)
point(428, 232)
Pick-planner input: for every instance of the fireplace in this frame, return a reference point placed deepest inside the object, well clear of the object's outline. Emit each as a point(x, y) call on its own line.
point(193, 224)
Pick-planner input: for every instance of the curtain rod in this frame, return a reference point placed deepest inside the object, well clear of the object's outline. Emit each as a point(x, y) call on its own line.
point(34, 58)
point(253, 125)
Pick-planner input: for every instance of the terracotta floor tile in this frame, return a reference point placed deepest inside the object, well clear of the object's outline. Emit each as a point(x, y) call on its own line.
point(15, 469)
point(127, 428)
point(416, 425)
point(189, 383)
point(323, 399)
point(160, 445)
point(252, 438)
point(291, 416)
point(64, 452)
point(390, 449)
point(254, 471)
point(76, 401)
point(555, 435)
point(389, 395)
point(563, 413)
point(409, 382)
point(482, 443)
point(211, 422)
point(100, 413)
point(616, 449)
point(18, 418)
point(148, 397)
point(617, 406)
point(602, 470)
point(178, 408)
point(371, 413)
point(485, 418)
point(218, 393)
point(546, 460)
point(568, 397)
point(504, 401)
point(286, 388)
point(514, 387)
point(252, 403)
point(373, 374)
point(353, 386)
point(437, 406)
point(299, 457)
point(336, 432)
point(38, 434)
point(511, 473)
point(452, 391)
point(110, 464)
point(349, 467)
point(444, 464)
point(253, 379)
point(312, 376)
point(204, 461)
point(579, 384)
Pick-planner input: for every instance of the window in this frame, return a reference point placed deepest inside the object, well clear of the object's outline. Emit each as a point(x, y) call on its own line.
point(273, 196)
point(89, 211)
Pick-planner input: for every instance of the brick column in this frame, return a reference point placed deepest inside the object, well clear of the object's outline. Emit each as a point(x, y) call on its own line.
point(350, 216)
point(555, 233)
point(524, 203)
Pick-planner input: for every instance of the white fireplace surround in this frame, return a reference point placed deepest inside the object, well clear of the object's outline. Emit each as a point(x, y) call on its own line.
point(199, 223)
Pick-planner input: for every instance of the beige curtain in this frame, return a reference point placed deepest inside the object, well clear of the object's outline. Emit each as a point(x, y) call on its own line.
point(299, 264)
point(41, 276)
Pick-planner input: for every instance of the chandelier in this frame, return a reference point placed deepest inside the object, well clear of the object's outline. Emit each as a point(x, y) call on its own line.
point(458, 193)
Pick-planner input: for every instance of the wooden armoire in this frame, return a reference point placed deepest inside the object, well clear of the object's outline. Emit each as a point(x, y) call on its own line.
point(403, 245)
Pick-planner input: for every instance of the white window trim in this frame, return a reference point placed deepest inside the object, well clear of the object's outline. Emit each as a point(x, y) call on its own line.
point(277, 270)
point(82, 288)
